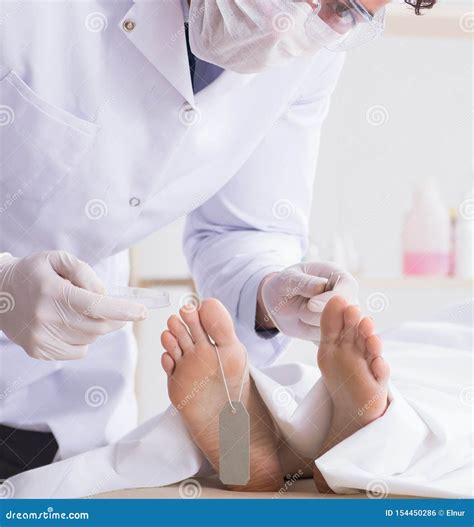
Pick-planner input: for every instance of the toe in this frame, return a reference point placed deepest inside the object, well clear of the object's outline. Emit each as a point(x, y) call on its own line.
point(374, 346)
point(364, 331)
point(190, 316)
point(380, 369)
point(181, 333)
point(332, 319)
point(217, 322)
point(168, 363)
point(351, 322)
point(171, 345)
point(366, 327)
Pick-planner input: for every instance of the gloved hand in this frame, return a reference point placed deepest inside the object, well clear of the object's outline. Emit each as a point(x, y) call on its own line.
point(53, 305)
point(294, 298)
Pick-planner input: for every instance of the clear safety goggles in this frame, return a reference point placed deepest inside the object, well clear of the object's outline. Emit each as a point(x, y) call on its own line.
point(343, 24)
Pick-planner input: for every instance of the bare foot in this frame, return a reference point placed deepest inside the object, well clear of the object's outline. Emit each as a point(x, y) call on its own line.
point(197, 390)
point(354, 372)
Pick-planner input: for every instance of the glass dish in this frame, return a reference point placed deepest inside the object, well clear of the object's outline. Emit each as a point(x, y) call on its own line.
point(149, 297)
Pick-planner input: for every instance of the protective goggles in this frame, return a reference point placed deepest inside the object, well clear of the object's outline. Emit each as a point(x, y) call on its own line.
point(343, 24)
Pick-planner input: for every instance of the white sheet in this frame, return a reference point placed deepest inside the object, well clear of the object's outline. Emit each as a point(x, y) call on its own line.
point(421, 446)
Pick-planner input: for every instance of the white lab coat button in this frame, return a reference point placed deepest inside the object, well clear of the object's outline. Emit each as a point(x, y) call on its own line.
point(134, 202)
point(189, 114)
point(128, 25)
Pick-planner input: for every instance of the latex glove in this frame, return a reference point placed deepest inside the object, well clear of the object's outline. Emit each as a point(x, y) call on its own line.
point(294, 298)
point(53, 305)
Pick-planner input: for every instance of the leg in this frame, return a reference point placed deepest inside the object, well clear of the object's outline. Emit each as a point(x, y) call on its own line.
point(197, 390)
point(22, 450)
point(354, 372)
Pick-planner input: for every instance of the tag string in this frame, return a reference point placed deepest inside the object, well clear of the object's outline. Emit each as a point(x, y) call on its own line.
point(242, 382)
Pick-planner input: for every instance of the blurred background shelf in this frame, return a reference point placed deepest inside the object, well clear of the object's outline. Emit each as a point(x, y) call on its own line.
point(364, 281)
point(416, 282)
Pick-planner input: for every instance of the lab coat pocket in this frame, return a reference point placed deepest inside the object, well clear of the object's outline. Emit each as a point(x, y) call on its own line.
point(39, 145)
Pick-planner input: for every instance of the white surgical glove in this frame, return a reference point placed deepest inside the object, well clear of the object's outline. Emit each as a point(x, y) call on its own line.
point(294, 298)
point(53, 305)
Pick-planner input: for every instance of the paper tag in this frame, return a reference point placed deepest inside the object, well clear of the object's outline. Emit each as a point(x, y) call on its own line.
point(234, 445)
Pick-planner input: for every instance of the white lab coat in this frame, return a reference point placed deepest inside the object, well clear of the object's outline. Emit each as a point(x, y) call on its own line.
point(103, 142)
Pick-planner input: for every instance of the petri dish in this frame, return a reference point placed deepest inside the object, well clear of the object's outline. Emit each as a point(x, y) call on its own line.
point(149, 297)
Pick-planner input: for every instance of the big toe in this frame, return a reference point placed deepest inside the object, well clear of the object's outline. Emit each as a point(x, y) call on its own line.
point(332, 319)
point(217, 322)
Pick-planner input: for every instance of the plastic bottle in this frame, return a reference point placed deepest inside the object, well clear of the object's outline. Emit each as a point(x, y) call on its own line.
point(464, 239)
point(426, 237)
point(453, 218)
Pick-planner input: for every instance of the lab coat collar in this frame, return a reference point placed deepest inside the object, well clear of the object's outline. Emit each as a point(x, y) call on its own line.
point(159, 34)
